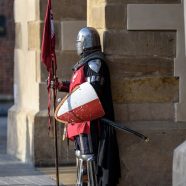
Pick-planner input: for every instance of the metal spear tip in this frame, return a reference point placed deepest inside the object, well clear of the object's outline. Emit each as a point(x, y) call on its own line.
point(147, 140)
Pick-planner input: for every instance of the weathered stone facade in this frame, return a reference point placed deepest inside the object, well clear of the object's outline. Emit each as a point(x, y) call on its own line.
point(144, 42)
point(27, 119)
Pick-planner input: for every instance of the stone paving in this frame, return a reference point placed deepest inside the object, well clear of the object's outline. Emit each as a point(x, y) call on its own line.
point(15, 173)
point(67, 175)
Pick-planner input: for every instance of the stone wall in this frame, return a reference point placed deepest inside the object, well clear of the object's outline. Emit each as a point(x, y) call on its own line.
point(144, 58)
point(147, 67)
point(28, 137)
point(141, 63)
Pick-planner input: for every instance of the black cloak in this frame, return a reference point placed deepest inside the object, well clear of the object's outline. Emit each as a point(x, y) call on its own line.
point(105, 144)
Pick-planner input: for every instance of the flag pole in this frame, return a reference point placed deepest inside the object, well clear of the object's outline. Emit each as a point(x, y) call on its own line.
point(49, 59)
point(55, 127)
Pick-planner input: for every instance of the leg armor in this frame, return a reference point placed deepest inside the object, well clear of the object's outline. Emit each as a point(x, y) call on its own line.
point(79, 165)
point(86, 164)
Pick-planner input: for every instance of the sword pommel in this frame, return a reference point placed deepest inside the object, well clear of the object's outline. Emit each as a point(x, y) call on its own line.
point(147, 140)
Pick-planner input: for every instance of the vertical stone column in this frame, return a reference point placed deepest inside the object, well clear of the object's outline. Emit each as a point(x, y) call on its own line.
point(26, 87)
point(28, 137)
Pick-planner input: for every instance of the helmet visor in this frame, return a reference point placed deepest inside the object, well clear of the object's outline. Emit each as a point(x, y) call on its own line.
point(79, 47)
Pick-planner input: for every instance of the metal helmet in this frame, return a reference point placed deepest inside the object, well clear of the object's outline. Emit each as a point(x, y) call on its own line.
point(87, 39)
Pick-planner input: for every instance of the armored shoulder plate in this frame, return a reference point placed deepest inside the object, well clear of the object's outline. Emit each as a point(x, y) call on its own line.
point(95, 65)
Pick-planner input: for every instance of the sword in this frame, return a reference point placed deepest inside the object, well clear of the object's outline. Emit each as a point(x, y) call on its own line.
point(126, 129)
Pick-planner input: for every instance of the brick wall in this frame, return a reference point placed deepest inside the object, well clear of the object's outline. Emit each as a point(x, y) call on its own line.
point(7, 49)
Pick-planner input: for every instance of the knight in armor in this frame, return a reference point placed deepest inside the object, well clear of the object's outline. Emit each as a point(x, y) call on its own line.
point(95, 142)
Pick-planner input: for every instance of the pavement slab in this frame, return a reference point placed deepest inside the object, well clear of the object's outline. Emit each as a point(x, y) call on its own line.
point(16, 173)
point(67, 174)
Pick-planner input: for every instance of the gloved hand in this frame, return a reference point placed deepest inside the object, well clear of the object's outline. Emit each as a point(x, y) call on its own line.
point(61, 86)
point(53, 83)
point(64, 86)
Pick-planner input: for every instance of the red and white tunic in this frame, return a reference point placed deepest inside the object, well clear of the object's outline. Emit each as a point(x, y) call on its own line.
point(74, 129)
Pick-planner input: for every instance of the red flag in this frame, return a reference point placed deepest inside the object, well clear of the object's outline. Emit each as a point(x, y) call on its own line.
point(48, 41)
point(48, 53)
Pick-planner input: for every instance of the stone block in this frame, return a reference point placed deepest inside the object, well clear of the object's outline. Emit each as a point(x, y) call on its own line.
point(34, 38)
point(145, 90)
point(145, 1)
point(140, 43)
point(43, 96)
point(43, 72)
point(149, 163)
point(25, 81)
point(121, 112)
point(44, 151)
point(63, 9)
point(69, 31)
point(145, 112)
point(34, 6)
point(151, 111)
point(97, 18)
point(19, 134)
point(122, 67)
point(21, 13)
point(30, 98)
point(115, 16)
point(66, 60)
point(179, 165)
point(141, 17)
point(18, 35)
point(19, 10)
point(29, 141)
point(57, 29)
point(180, 110)
point(96, 2)
point(90, 6)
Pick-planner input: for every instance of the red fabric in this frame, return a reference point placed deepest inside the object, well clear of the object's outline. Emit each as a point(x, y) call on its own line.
point(62, 87)
point(75, 129)
point(77, 78)
point(48, 52)
point(48, 41)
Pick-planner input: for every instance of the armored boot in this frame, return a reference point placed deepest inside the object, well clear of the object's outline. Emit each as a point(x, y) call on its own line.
point(79, 165)
point(86, 165)
point(89, 161)
point(91, 169)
